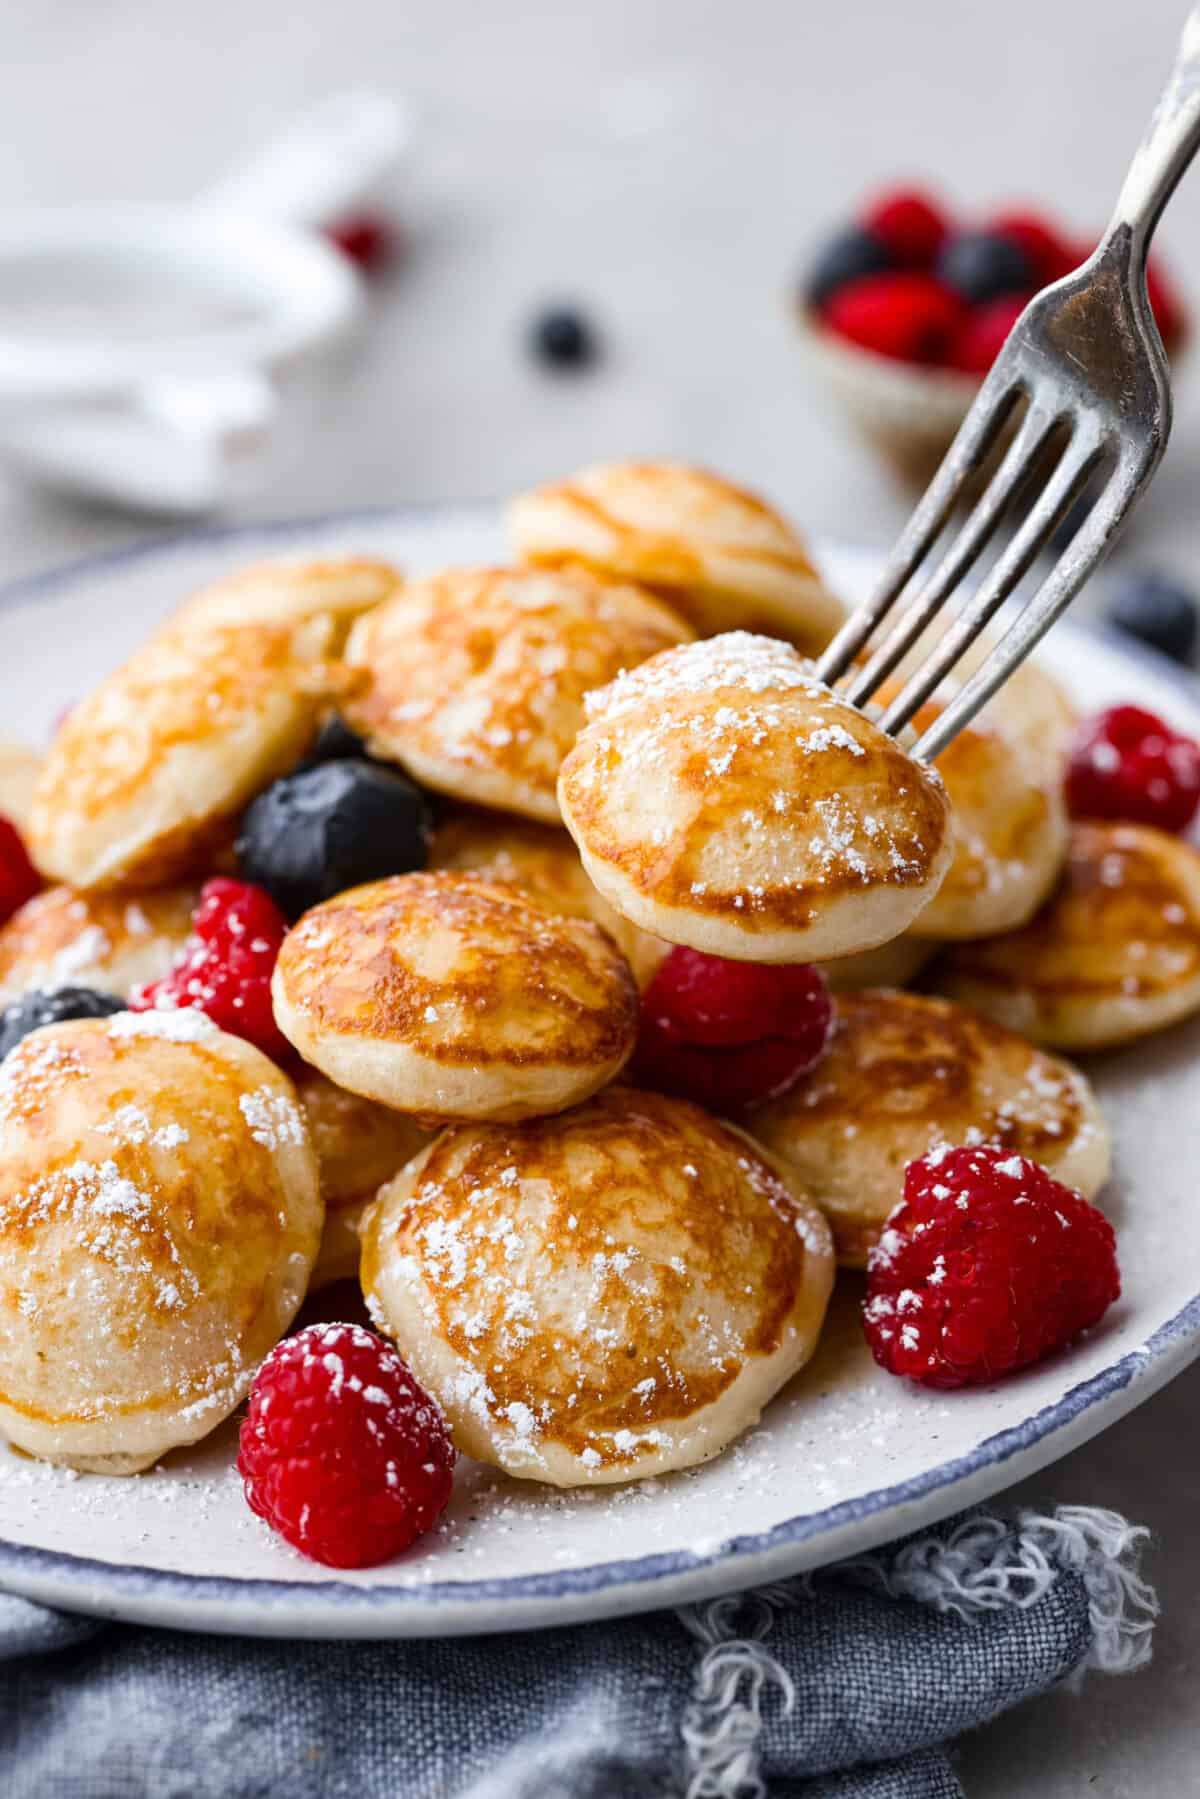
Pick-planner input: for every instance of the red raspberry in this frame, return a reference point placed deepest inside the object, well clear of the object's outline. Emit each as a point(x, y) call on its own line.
point(1127, 763)
point(730, 1034)
point(1047, 251)
point(225, 967)
point(341, 1451)
point(365, 238)
point(908, 316)
point(986, 1265)
point(1166, 305)
point(981, 339)
point(910, 224)
point(19, 879)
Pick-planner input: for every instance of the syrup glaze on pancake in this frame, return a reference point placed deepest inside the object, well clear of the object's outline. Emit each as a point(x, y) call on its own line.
point(905, 1072)
point(723, 798)
point(159, 1216)
point(449, 995)
point(145, 774)
point(542, 861)
point(726, 560)
point(474, 679)
point(606, 1294)
point(112, 942)
point(1112, 955)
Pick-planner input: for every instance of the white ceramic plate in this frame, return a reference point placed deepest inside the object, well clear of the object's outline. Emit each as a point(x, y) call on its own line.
point(846, 1458)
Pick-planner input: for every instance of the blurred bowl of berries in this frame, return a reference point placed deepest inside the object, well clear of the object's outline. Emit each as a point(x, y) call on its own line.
point(903, 311)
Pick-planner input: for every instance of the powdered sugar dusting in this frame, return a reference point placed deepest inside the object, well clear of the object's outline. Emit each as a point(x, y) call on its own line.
point(185, 1024)
point(274, 1119)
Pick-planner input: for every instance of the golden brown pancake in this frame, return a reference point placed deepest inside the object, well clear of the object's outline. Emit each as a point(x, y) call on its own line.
point(717, 553)
point(1114, 954)
point(359, 1145)
point(455, 997)
point(113, 942)
point(542, 861)
point(608, 1294)
point(18, 776)
point(893, 964)
point(905, 1072)
point(159, 1217)
point(473, 680)
point(723, 798)
point(146, 773)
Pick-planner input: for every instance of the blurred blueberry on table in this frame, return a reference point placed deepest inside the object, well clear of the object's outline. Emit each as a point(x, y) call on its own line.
point(332, 826)
point(33, 1010)
point(847, 257)
point(1158, 611)
point(982, 265)
point(562, 337)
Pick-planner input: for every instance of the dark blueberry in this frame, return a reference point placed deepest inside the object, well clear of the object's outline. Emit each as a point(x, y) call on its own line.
point(33, 1010)
point(330, 827)
point(335, 743)
point(845, 258)
point(1157, 610)
point(563, 337)
point(983, 265)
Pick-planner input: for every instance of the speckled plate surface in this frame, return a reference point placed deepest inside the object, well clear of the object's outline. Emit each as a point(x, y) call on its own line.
point(844, 1459)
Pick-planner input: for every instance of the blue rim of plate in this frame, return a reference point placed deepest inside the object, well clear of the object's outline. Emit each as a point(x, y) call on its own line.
point(1180, 1332)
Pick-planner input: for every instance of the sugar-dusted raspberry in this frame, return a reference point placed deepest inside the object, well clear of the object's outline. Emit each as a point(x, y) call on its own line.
point(1128, 763)
point(986, 1265)
point(19, 879)
point(730, 1034)
point(907, 315)
point(909, 223)
point(225, 967)
point(341, 1451)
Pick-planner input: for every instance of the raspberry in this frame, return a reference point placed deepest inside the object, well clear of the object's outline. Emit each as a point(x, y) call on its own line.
point(1127, 763)
point(19, 879)
point(1166, 305)
point(1049, 254)
point(730, 1034)
point(341, 1451)
point(983, 332)
point(986, 1265)
point(225, 967)
point(909, 224)
point(908, 316)
point(365, 238)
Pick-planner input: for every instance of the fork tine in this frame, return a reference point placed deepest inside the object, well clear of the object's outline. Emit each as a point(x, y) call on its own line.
point(1077, 463)
point(976, 435)
point(1020, 462)
point(1051, 599)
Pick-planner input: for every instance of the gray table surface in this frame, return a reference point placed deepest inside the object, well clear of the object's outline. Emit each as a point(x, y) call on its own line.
point(667, 164)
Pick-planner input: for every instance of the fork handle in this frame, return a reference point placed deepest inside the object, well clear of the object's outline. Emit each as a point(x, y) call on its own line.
point(1171, 141)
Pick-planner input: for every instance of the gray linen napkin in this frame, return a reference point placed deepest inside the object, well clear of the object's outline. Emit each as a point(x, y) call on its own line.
point(846, 1684)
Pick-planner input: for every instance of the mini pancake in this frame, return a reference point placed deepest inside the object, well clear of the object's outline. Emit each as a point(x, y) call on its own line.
point(454, 997)
point(1113, 955)
point(723, 798)
point(544, 864)
point(18, 777)
point(1010, 831)
point(359, 1146)
point(905, 1072)
point(473, 680)
point(893, 964)
point(159, 1216)
point(601, 1296)
point(723, 558)
point(112, 942)
point(146, 774)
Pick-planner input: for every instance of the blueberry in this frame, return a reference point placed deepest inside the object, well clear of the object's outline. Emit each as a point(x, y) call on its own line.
point(562, 337)
point(33, 1010)
point(1157, 610)
point(983, 265)
point(329, 827)
point(335, 743)
point(845, 258)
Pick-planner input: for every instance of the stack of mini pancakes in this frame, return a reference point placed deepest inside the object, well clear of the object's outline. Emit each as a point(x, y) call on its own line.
point(629, 750)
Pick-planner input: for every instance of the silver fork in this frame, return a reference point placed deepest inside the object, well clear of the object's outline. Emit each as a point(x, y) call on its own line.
point(1086, 358)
